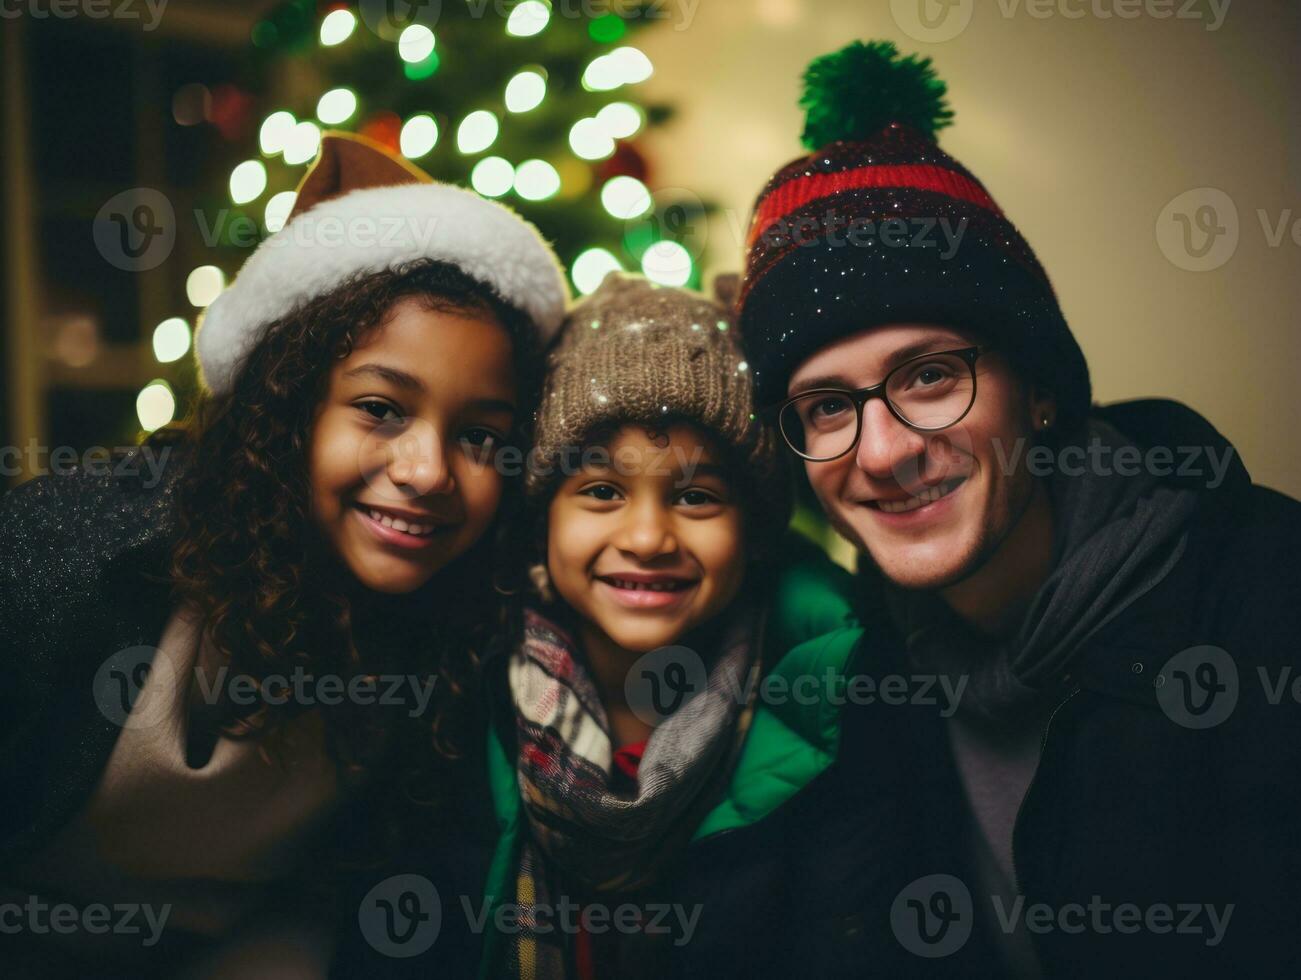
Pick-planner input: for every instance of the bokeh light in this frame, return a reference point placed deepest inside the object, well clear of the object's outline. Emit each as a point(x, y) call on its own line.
point(171, 340)
point(591, 268)
point(493, 176)
point(419, 135)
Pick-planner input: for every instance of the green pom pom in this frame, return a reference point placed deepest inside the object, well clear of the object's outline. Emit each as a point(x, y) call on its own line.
point(858, 91)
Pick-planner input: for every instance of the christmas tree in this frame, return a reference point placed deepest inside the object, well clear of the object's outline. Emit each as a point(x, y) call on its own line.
point(528, 103)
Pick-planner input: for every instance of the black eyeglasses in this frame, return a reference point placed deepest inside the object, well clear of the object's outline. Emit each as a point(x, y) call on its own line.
point(927, 393)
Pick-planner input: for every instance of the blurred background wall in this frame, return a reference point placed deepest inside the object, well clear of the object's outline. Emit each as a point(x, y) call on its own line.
point(1084, 128)
point(1152, 161)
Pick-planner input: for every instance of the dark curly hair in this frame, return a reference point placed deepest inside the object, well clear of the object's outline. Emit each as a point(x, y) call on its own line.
point(248, 555)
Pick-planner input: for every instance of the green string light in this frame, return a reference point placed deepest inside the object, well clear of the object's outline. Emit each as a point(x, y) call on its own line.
point(607, 29)
point(415, 71)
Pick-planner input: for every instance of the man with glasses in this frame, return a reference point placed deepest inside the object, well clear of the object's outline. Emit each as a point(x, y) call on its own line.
point(1116, 791)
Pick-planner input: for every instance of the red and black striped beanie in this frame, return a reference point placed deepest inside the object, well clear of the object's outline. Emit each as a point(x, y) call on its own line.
point(879, 225)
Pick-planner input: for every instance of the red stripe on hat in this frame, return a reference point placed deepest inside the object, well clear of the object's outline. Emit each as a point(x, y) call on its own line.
point(794, 194)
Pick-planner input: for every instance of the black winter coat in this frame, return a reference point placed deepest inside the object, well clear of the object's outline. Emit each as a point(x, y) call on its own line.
point(1130, 804)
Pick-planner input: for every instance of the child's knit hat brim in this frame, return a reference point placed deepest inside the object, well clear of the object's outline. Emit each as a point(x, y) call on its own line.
point(637, 353)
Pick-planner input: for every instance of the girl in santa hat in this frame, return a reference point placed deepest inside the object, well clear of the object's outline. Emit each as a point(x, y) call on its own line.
point(219, 674)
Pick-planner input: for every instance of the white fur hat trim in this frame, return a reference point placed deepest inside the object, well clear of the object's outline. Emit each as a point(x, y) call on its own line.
point(370, 230)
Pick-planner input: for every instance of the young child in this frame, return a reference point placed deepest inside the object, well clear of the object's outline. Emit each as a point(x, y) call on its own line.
point(624, 709)
point(208, 671)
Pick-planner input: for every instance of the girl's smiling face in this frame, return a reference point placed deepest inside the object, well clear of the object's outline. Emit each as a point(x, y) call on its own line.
point(645, 542)
point(402, 452)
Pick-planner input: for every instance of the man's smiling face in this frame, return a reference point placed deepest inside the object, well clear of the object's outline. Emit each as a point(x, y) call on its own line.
point(929, 507)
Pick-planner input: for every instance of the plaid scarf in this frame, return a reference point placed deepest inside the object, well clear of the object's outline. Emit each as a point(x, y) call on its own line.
point(579, 832)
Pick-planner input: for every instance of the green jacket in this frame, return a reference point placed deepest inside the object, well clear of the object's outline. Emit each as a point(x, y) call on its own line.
point(811, 631)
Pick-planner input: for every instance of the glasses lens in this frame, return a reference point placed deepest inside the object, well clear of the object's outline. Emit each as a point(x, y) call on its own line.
point(933, 391)
point(821, 424)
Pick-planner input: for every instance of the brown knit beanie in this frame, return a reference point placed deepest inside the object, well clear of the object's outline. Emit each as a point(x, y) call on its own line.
point(635, 352)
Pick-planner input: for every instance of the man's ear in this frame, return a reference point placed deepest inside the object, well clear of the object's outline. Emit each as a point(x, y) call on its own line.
point(1042, 406)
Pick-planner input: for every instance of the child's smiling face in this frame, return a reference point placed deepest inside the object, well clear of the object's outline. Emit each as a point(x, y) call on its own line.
point(401, 455)
point(645, 543)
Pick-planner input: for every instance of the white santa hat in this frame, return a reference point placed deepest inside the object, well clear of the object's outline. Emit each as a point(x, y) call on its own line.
point(362, 209)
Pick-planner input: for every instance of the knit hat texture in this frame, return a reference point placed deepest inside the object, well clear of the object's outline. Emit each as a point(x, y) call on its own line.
point(635, 352)
point(879, 225)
